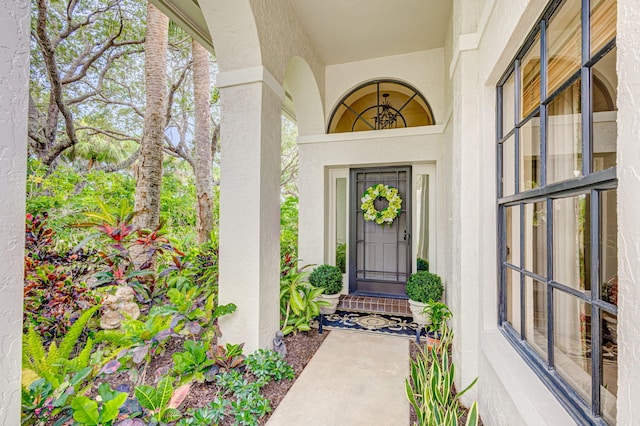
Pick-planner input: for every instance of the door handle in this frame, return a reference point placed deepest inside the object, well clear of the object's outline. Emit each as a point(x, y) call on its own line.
point(406, 235)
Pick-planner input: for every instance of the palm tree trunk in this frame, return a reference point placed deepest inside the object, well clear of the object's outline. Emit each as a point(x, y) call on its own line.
point(203, 142)
point(149, 176)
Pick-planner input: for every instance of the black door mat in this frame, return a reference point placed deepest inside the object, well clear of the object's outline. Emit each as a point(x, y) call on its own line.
point(369, 322)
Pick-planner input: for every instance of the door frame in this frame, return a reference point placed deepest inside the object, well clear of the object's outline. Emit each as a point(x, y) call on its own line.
point(353, 200)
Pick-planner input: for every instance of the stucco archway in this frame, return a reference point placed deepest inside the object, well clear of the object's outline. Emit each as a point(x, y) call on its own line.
point(301, 84)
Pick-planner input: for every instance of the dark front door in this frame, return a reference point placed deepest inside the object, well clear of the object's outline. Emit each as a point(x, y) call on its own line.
point(380, 254)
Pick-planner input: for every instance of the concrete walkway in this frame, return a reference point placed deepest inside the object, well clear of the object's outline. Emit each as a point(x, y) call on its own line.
point(354, 379)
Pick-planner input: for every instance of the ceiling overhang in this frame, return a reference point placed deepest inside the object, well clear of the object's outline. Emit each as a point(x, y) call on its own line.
point(187, 14)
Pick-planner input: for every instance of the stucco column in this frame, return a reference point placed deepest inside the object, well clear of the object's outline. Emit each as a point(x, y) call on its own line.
point(14, 95)
point(628, 208)
point(249, 259)
point(463, 289)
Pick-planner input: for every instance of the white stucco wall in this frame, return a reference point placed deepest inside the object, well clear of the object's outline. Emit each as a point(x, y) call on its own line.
point(14, 86)
point(317, 154)
point(424, 70)
point(628, 208)
point(508, 392)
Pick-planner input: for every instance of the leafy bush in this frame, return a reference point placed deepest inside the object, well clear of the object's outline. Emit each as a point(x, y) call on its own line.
point(192, 363)
point(156, 401)
point(267, 365)
point(423, 286)
point(422, 265)
point(54, 295)
point(430, 388)
point(298, 302)
point(439, 314)
point(249, 405)
point(87, 411)
point(327, 277)
point(341, 257)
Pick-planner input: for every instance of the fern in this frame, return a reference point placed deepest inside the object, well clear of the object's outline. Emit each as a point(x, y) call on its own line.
point(70, 340)
point(52, 365)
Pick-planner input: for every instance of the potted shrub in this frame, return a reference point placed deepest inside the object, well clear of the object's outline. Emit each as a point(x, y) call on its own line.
point(438, 314)
point(423, 287)
point(329, 278)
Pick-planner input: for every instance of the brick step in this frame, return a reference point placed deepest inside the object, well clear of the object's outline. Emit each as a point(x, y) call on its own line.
point(373, 304)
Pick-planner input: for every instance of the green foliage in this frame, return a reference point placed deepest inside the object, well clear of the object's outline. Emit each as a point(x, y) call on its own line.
point(288, 230)
point(206, 416)
point(249, 405)
point(143, 338)
point(54, 296)
point(229, 356)
point(192, 363)
point(430, 387)
point(298, 302)
point(156, 400)
point(439, 314)
point(423, 286)
point(341, 257)
point(422, 265)
point(36, 401)
point(327, 277)
point(93, 413)
point(267, 365)
point(54, 364)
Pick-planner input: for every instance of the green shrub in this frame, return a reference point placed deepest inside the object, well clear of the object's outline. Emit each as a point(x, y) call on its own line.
point(341, 257)
point(423, 286)
point(422, 265)
point(327, 277)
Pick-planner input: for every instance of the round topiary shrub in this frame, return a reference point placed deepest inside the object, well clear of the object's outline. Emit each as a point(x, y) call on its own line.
point(328, 277)
point(423, 286)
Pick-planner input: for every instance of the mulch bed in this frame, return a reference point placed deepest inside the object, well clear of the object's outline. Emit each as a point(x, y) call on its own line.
point(300, 349)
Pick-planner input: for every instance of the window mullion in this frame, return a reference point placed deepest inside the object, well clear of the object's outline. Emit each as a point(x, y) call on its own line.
point(550, 334)
point(596, 313)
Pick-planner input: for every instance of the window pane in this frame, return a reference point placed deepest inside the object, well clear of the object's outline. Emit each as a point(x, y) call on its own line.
point(535, 238)
point(564, 136)
point(508, 105)
point(530, 80)
point(513, 298)
point(565, 44)
point(530, 154)
point(341, 223)
point(609, 246)
point(513, 235)
point(604, 103)
point(603, 23)
point(572, 342)
point(536, 315)
point(422, 231)
point(609, 388)
point(508, 167)
point(571, 242)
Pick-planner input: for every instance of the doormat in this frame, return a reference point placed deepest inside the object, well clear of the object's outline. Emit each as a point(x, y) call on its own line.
point(369, 322)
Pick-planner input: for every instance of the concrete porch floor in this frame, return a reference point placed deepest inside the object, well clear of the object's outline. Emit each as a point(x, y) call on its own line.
point(354, 379)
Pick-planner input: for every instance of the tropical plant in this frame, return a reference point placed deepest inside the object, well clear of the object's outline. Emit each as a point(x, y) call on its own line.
point(266, 365)
point(90, 412)
point(54, 364)
point(156, 401)
point(249, 405)
point(298, 301)
point(439, 314)
point(192, 362)
point(327, 277)
point(430, 387)
point(424, 286)
point(140, 339)
point(229, 356)
point(208, 415)
point(54, 296)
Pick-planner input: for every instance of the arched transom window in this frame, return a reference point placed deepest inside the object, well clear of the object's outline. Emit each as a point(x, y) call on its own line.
point(380, 104)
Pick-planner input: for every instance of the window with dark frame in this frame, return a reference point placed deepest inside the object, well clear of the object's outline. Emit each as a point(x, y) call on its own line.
point(556, 151)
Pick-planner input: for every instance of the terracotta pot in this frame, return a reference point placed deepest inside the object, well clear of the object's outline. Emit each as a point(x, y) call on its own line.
point(433, 340)
point(333, 299)
point(416, 310)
